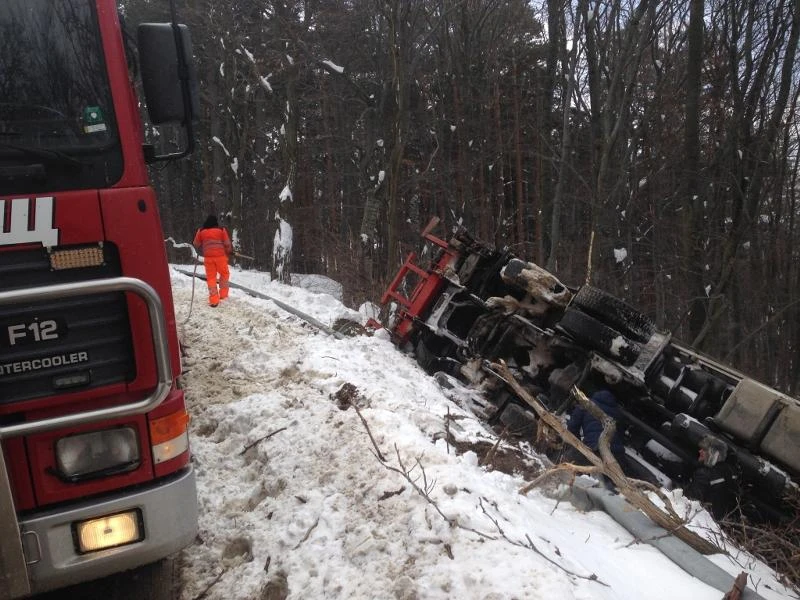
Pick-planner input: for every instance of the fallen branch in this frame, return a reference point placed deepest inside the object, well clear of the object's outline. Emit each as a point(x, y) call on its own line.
point(261, 439)
point(573, 469)
point(607, 465)
point(738, 588)
point(369, 432)
point(453, 522)
point(405, 473)
point(489, 457)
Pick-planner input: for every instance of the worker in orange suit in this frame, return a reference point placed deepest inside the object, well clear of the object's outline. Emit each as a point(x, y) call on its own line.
point(213, 242)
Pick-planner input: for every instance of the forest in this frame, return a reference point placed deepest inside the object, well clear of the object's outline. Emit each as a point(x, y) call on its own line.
point(647, 147)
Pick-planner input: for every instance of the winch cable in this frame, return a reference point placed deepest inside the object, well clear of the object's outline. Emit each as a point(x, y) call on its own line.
point(196, 260)
point(290, 309)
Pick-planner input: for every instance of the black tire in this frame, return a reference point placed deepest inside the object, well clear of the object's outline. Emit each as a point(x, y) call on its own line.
point(593, 334)
point(520, 422)
point(615, 313)
point(155, 581)
point(426, 357)
point(349, 328)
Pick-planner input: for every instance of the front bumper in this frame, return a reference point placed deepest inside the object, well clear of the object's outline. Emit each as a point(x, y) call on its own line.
point(169, 515)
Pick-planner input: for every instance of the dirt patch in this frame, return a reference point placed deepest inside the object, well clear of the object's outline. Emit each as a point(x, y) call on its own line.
point(503, 458)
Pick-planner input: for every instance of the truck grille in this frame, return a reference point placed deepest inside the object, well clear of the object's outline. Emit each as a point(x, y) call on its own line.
point(65, 345)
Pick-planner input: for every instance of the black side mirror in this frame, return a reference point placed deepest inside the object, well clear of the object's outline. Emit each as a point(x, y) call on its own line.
point(167, 69)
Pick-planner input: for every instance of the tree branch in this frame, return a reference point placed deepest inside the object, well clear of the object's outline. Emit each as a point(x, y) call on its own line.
point(608, 465)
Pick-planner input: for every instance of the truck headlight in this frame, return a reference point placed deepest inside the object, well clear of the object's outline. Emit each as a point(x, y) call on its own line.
point(105, 452)
point(108, 532)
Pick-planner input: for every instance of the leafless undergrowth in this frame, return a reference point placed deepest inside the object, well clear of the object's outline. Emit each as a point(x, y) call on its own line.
point(778, 546)
point(417, 478)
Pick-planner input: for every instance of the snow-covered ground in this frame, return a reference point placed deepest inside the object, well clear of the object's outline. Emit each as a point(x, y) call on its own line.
point(295, 502)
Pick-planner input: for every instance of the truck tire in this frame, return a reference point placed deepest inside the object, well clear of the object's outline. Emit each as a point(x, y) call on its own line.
point(519, 421)
point(156, 581)
point(587, 330)
point(425, 357)
point(615, 313)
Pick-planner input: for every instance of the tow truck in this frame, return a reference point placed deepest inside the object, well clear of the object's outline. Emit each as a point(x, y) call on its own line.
point(95, 472)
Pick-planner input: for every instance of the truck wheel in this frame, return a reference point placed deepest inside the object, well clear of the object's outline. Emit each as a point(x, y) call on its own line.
point(587, 330)
point(425, 358)
point(156, 581)
point(614, 312)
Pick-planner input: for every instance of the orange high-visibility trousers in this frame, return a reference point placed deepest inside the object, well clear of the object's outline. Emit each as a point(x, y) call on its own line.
point(216, 265)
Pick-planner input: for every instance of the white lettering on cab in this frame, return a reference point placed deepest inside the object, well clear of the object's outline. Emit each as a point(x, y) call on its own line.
point(19, 231)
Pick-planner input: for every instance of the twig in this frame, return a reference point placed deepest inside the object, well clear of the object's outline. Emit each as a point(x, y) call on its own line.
point(369, 432)
point(388, 494)
point(261, 439)
point(210, 585)
point(308, 533)
point(591, 577)
point(531, 546)
point(425, 493)
point(447, 430)
point(637, 540)
point(569, 467)
point(406, 474)
point(487, 459)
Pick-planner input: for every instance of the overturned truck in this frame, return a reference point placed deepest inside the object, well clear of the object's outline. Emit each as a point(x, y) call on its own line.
point(473, 305)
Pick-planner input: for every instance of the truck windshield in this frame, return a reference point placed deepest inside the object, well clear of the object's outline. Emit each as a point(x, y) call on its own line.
point(57, 125)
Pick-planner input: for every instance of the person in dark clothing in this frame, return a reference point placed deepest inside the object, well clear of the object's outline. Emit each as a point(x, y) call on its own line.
point(583, 425)
point(714, 483)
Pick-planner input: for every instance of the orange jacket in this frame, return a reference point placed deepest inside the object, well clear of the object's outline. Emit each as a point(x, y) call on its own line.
point(213, 242)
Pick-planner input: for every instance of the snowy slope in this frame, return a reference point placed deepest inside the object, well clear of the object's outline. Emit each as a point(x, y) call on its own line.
point(294, 501)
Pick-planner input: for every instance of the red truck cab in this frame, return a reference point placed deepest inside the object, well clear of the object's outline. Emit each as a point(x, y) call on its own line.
point(95, 472)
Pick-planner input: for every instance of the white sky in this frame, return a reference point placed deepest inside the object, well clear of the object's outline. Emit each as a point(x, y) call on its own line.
point(311, 507)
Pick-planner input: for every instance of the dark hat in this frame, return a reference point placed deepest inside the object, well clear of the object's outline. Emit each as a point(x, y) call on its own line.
point(210, 222)
point(716, 449)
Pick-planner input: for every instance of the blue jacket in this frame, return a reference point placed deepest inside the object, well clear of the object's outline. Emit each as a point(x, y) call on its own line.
point(585, 426)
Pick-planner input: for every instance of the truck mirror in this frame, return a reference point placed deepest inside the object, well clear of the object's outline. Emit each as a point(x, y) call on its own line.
point(163, 69)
